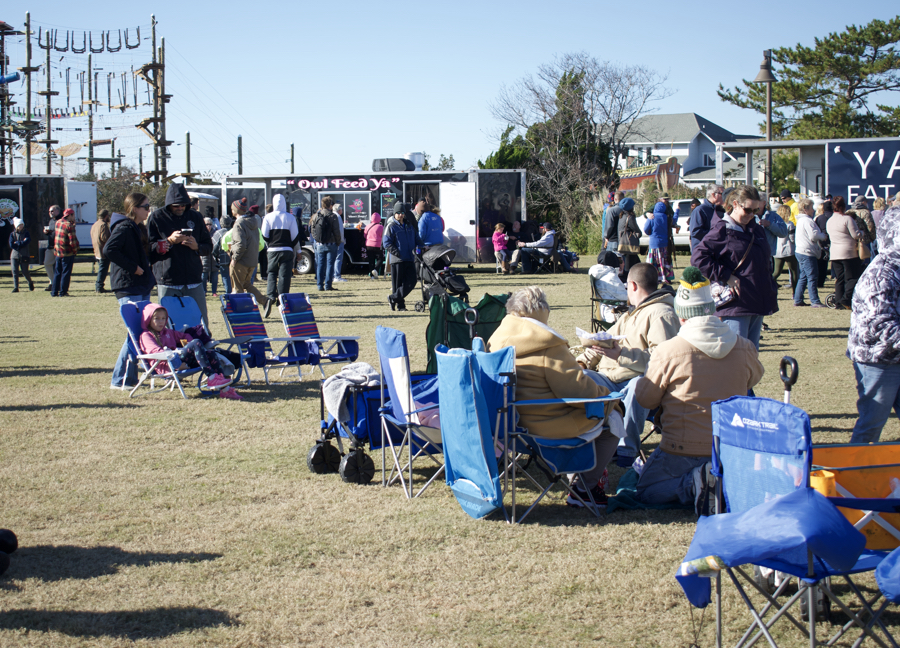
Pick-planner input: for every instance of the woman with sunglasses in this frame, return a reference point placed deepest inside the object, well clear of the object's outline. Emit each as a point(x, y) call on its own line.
point(131, 278)
point(736, 252)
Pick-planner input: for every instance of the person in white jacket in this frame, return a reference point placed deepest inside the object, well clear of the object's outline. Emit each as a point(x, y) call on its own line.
point(808, 251)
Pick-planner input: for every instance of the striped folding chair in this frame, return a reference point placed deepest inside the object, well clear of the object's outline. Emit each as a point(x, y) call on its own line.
point(300, 323)
point(242, 319)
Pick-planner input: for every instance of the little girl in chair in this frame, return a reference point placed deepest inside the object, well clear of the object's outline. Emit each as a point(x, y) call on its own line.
point(157, 337)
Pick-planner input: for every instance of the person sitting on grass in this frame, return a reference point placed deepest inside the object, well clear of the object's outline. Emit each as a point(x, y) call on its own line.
point(157, 337)
point(546, 369)
point(706, 362)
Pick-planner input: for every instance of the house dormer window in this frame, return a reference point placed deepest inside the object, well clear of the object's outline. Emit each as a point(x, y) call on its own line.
point(709, 160)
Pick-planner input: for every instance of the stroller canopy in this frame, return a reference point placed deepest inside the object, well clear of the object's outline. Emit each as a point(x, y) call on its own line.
point(439, 257)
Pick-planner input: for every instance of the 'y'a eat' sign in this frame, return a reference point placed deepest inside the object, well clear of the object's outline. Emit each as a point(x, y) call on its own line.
point(860, 168)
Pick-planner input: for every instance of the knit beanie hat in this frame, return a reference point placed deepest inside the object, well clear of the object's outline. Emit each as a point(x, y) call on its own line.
point(694, 296)
point(240, 206)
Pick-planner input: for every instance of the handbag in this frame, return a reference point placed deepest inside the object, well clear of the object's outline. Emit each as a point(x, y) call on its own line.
point(625, 245)
point(723, 294)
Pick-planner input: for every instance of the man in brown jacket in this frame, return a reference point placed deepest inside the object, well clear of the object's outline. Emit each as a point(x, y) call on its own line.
point(704, 363)
point(99, 237)
point(245, 254)
point(651, 322)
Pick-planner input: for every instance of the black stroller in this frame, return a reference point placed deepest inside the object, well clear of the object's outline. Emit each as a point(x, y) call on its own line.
point(436, 277)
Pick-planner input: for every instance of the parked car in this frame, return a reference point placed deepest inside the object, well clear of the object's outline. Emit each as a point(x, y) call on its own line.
point(682, 238)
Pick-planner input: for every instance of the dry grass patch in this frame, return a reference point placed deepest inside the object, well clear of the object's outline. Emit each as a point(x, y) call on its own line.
point(160, 521)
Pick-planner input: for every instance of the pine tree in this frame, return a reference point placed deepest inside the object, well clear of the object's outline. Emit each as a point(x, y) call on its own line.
point(824, 91)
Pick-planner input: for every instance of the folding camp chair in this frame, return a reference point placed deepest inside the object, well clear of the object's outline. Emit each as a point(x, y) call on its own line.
point(412, 398)
point(184, 314)
point(242, 319)
point(300, 323)
point(475, 389)
point(149, 363)
point(554, 458)
point(762, 455)
point(548, 262)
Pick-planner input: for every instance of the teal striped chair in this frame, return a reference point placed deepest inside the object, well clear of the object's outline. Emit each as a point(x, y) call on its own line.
point(300, 323)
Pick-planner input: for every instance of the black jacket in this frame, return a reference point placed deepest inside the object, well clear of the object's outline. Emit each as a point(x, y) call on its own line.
point(126, 254)
point(180, 266)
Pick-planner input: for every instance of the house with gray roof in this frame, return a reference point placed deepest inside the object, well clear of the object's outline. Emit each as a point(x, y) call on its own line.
point(690, 138)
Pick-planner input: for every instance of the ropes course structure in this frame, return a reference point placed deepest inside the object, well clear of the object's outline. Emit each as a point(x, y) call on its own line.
point(98, 87)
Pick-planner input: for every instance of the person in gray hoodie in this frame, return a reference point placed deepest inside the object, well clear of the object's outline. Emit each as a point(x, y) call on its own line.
point(245, 254)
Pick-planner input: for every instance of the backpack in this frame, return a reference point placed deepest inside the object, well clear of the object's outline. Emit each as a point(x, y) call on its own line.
point(322, 228)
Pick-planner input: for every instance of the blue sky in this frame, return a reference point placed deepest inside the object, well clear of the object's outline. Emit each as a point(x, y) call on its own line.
point(349, 81)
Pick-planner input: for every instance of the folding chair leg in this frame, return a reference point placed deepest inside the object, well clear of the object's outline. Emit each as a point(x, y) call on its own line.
point(759, 622)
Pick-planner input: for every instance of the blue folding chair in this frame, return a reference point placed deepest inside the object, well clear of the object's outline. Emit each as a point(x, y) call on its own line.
point(554, 458)
point(185, 314)
point(150, 363)
point(412, 398)
point(475, 390)
point(762, 458)
point(300, 323)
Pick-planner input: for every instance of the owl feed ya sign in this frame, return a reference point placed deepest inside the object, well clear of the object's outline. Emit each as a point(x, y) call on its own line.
point(861, 168)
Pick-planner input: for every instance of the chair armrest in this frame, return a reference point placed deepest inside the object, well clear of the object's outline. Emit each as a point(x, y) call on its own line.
point(160, 355)
point(322, 338)
point(570, 401)
point(243, 339)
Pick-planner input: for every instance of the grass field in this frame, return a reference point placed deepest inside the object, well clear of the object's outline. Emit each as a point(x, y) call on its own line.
point(159, 521)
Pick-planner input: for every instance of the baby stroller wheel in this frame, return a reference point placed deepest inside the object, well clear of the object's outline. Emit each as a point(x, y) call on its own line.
point(357, 467)
point(830, 301)
point(420, 307)
point(323, 458)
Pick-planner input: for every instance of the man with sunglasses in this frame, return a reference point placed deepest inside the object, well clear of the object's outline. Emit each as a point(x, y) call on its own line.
point(702, 216)
point(178, 241)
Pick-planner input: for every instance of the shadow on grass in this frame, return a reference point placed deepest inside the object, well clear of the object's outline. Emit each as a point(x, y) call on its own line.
point(39, 408)
point(832, 417)
point(13, 372)
point(155, 623)
point(804, 329)
point(61, 562)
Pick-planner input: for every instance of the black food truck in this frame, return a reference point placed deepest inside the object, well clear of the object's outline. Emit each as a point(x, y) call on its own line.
point(471, 204)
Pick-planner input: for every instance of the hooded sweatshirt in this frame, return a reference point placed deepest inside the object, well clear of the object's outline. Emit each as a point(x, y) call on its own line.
point(875, 321)
point(546, 369)
point(279, 228)
point(179, 265)
point(374, 232)
point(165, 340)
point(704, 363)
point(658, 226)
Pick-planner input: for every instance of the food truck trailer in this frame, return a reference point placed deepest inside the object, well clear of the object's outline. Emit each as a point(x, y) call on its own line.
point(471, 203)
point(30, 197)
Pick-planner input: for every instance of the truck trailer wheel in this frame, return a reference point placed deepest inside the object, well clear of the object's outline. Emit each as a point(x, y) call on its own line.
point(305, 262)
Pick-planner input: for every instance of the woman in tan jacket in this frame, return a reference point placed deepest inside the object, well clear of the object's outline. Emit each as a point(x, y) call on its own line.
point(546, 369)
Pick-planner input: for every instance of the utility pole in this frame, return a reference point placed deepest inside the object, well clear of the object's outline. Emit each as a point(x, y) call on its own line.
point(187, 150)
point(90, 80)
point(7, 131)
point(163, 100)
point(48, 140)
point(28, 71)
point(292, 158)
point(112, 157)
point(240, 157)
point(155, 101)
point(141, 162)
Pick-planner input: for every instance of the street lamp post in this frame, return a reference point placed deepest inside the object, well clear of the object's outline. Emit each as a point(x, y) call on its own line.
point(765, 76)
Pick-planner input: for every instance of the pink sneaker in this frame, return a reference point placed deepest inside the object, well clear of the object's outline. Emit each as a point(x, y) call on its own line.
point(229, 392)
point(217, 380)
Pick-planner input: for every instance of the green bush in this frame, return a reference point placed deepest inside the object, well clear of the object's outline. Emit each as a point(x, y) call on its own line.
point(586, 239)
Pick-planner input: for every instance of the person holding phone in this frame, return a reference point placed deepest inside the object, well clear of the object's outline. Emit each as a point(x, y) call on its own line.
point(178, 241)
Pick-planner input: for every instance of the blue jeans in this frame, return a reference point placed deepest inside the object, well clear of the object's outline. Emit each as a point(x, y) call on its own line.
point(338, 261)
point(325, 255)
point(668, 478)
point(809, 278)
point(635, 414)
point(747, 326)
point(62, 275)
point(127, 353)
point(878, 386)
point(612, 246)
